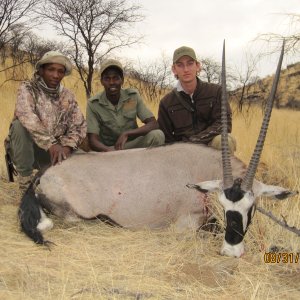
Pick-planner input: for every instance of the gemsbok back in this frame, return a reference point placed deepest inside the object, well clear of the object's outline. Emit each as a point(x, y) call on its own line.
point(148, 187)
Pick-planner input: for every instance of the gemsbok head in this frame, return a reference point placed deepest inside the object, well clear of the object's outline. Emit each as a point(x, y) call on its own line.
point(238, 195)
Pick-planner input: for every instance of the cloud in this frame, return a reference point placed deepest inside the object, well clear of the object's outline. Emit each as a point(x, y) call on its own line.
point(204, 24)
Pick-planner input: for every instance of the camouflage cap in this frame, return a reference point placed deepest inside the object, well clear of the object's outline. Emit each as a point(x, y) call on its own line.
point(55, 57)
point(111, 63)
point(182, 51)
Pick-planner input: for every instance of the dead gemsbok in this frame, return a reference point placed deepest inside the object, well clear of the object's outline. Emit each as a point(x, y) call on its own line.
point(148, 187)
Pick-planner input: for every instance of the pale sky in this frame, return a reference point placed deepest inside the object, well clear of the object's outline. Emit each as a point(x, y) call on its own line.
point(203, 24)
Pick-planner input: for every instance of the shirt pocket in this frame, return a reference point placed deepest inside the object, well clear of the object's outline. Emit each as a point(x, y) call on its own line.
point(129, 109)
point(130, 114)
point(204, 108)
point(181, 118)
point(106, 120)
point(129, 120)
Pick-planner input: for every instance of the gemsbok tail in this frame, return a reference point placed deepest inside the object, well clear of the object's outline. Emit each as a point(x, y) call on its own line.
point(30, 215)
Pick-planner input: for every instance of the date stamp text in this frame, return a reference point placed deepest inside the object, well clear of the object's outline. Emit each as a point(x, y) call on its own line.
point(281, 257)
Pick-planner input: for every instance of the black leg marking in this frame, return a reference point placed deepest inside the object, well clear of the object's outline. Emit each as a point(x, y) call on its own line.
point(196, 187)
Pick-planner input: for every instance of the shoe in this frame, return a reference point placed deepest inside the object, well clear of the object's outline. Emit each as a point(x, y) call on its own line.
point(24, 182)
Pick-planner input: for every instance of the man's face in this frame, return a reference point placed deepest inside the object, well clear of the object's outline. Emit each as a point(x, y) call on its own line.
point(52, 74)
point(186, 69)
point(112, 82)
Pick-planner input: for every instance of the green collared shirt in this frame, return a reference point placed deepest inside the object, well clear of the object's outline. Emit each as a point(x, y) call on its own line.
point(109, 121)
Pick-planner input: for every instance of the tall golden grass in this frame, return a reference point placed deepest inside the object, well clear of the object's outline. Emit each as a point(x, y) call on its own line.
point(93, 261)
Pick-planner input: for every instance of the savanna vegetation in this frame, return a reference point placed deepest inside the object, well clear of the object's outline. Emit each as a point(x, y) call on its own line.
point(91, 260)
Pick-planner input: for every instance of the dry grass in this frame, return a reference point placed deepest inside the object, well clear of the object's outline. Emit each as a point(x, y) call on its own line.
point(93, 261)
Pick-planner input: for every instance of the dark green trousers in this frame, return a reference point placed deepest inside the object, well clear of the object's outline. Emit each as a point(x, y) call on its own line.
point(25, 154)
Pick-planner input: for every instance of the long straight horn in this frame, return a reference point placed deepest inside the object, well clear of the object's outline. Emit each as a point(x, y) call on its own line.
point(227, 170)
point(249, 177)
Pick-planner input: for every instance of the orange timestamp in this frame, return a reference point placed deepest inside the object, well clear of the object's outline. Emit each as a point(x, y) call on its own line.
point(281, 257)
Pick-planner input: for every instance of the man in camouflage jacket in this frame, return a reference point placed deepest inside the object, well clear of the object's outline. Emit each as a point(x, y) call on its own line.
point(48, 124)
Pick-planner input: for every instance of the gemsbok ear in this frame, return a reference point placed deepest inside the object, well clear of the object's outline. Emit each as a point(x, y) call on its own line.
point(207, 186)
point(272, 191)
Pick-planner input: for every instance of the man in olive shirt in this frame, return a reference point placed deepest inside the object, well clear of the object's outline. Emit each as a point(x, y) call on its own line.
point(111, 115)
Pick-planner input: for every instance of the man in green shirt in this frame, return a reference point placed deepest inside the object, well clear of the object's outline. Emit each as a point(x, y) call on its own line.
point(111, 115)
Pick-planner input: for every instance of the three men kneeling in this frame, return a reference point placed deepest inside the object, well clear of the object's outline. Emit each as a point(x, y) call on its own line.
point(48, 124)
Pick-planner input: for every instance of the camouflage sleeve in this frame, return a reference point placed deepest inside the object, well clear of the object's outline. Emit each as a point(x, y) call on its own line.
point(25, 112)
point(76, 131)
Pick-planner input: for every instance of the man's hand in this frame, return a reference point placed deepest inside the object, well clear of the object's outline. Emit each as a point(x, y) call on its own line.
point(96, 145)
point(58, 153)
point(121, 141)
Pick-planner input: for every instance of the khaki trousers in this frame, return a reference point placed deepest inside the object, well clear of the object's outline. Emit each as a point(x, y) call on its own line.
point(153, 138)
point(216, 143)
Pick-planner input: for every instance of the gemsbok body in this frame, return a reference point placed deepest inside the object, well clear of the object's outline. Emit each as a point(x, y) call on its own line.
point(153, 187)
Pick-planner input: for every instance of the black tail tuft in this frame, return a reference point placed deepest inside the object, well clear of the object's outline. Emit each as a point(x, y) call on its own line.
point(30, 215)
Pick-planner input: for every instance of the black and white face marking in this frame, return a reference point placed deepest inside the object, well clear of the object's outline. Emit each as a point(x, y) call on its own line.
point(238, 214)
point(234, 227)
point(241, 205)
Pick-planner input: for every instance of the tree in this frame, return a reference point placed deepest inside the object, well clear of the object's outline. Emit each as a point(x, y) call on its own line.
point(274, 42)
point(25, 48)
point(292, 39)
point(14, 18)
point(14, 67)
point(210, 70)
point(151, 79)
point(93, 29)
point(35, 47)
point(245, 76)
point(12, 13)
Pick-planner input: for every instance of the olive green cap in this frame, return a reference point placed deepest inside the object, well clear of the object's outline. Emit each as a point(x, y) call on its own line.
point(182, 51)
point(111, 63)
